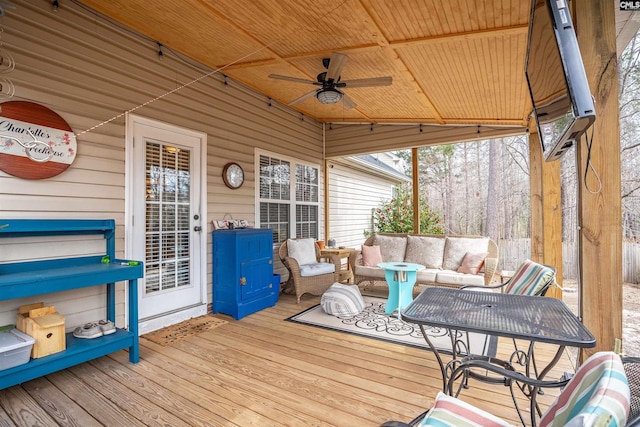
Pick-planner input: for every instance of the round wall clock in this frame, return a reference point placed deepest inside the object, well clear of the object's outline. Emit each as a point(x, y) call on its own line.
point(233, 175)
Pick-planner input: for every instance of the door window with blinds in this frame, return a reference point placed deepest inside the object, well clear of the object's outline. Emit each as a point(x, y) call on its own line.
point(168, 183)
point(288, 213)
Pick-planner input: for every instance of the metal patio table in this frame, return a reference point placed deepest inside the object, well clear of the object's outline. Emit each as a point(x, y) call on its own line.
point(534, 319)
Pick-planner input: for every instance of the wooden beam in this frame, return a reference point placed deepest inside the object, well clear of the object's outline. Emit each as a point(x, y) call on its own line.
point(599, 209)
point(467, 35)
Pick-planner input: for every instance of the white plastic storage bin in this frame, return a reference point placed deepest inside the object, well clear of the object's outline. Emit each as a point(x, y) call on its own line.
point(15, 348)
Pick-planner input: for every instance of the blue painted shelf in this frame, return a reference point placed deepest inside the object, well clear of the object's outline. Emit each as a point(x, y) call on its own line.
point(24, 279)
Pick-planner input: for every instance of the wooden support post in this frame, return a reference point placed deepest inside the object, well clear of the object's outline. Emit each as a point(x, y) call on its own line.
point(599, 209)
point(416, 190)
point(327, 204)
point(546, 211)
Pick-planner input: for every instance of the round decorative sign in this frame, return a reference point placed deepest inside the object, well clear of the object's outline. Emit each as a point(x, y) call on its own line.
point(35, 142)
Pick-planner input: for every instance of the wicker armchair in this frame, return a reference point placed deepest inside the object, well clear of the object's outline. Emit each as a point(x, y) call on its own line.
point(315, 285)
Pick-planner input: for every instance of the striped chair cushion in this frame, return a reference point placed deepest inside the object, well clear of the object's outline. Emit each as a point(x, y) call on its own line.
point(342, 300)
point(449, 411)
point(529, 279)
point(597, 395)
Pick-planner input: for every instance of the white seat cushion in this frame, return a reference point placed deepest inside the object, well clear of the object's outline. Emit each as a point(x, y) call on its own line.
point(376, 272)
point(427, 275)
point(453, 278)
point(342, 300)
point(317, 268)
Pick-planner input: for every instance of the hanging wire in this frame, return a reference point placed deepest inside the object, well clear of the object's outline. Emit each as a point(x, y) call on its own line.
point(589, 165)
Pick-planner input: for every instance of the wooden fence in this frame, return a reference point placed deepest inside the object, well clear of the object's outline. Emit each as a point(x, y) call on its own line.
point(513, 252)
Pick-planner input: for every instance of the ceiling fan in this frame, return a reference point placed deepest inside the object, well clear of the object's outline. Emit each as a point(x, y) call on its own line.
point(330, 83)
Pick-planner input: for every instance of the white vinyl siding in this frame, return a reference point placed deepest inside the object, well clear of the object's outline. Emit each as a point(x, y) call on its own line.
point(89, 72)
point(352, 195)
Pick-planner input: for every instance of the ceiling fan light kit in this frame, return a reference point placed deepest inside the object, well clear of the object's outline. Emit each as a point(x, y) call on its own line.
point(329, 96)
point(330, 81)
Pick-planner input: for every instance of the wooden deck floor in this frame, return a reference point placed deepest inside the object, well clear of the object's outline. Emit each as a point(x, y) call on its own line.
point(259, 371)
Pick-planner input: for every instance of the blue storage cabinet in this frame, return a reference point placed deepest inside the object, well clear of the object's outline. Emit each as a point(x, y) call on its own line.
point(29, 278)
point(243, 271)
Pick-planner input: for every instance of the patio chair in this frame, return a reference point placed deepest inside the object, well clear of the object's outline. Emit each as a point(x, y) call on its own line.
point(597, 395)
point(530, 278)
point(632, 370)
point(307, 272)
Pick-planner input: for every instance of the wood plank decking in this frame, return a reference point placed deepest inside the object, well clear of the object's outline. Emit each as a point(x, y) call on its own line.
point(259, 371)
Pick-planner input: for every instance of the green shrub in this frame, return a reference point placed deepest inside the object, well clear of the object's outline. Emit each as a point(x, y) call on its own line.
point(396, 215)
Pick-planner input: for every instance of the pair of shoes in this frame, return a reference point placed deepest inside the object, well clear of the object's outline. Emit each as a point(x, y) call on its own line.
point(107, 327)
point(95, 330)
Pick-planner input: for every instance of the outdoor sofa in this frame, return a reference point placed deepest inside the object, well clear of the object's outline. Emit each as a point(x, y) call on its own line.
point(451, 261)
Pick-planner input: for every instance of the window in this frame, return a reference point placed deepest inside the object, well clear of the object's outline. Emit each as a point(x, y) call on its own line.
point(288, 216)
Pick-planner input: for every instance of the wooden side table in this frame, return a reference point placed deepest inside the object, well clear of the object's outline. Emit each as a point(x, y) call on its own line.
point(346, 275)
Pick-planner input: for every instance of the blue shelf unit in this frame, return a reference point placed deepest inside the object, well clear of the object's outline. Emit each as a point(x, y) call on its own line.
point(243, 280)
point(30, 278)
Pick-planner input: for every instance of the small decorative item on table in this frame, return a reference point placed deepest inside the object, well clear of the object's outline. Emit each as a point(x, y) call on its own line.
point(45, 325)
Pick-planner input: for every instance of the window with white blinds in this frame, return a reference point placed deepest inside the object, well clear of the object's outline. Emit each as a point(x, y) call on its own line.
point(168, 183)
point(288, 216)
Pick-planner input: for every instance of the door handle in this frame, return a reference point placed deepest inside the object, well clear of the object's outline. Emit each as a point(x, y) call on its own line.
point(197, 228)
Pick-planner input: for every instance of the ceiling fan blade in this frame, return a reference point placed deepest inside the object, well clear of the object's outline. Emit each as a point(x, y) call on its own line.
point(291, 79)
point(336, 65)
point(302, 98)
point(347, 102)
point(371, 82)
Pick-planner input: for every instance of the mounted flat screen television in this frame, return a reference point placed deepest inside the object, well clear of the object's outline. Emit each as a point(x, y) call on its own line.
point(562, 102)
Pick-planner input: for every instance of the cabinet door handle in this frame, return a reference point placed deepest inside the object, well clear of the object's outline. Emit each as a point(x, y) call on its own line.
point(243, 281)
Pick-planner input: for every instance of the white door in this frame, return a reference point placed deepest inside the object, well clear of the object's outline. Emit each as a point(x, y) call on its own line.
point(167, 220)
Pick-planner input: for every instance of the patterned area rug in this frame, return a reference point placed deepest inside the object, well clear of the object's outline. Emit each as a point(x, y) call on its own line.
point(180, 331)
point(374, 323)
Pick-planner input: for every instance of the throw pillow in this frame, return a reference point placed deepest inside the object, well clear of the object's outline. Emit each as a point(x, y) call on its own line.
point(303, 250)
point(472, 262)
point(391, 247)
point(427, 251)
point(371, 255)
point(455, 249)
point(529, 279)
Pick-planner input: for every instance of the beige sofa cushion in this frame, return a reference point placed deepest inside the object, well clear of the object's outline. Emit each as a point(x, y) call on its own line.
point(392, 248)
point(428, 251)
point(456, 248)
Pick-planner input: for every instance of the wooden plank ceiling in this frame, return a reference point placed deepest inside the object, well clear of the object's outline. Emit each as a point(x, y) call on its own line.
point(456, 62)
